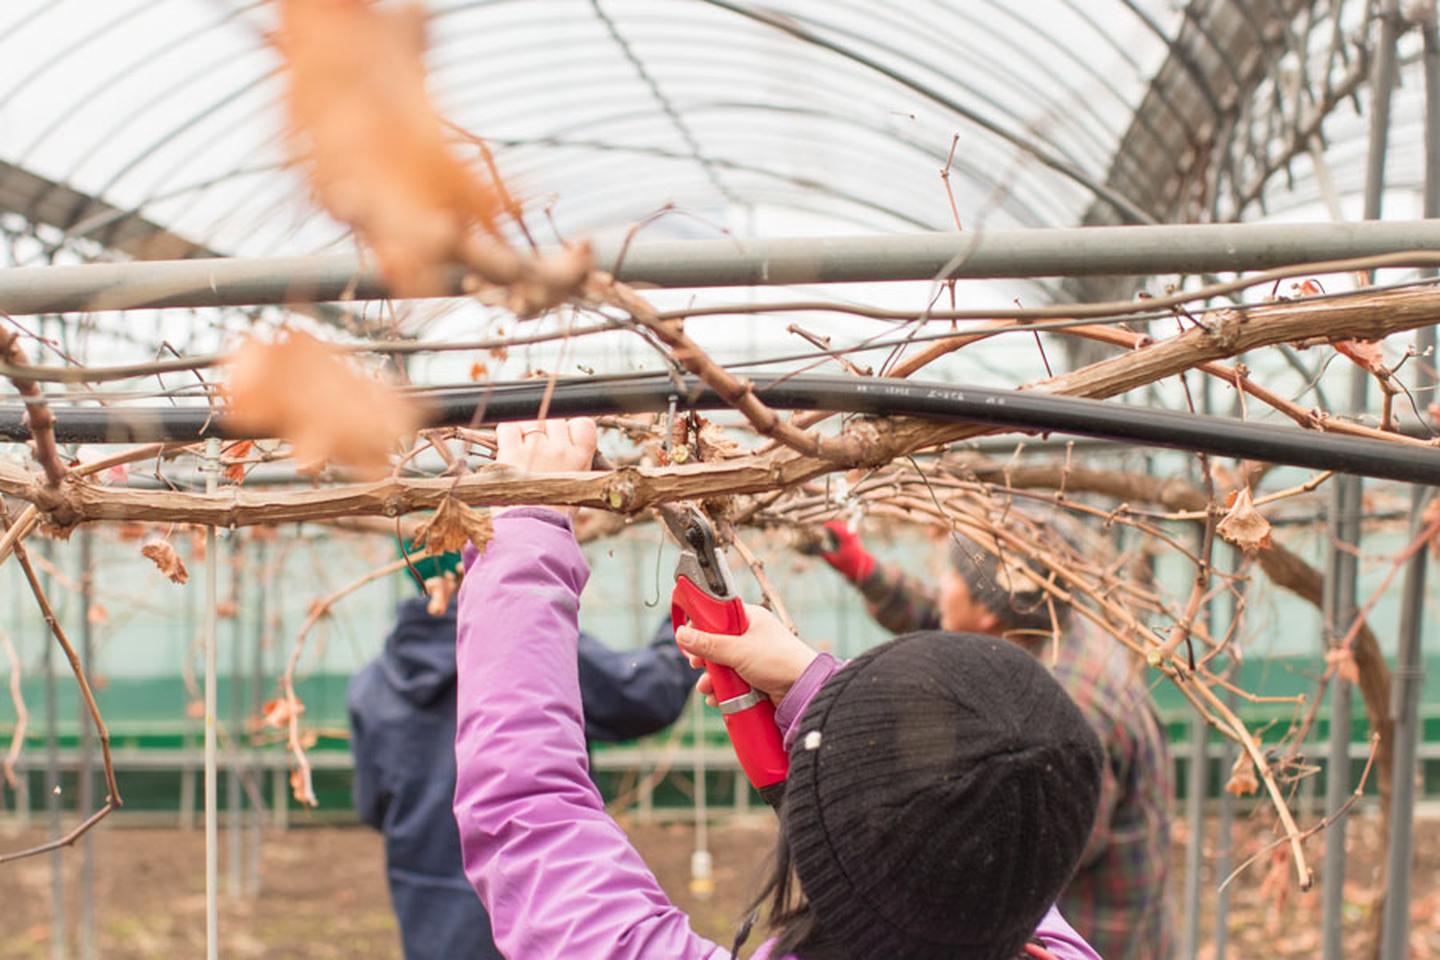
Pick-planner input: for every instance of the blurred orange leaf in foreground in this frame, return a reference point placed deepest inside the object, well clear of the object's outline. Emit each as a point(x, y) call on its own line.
point(307, 392)
point(375, 150)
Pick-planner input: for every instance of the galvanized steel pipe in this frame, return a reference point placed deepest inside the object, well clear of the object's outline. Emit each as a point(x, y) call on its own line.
point(1066, 252)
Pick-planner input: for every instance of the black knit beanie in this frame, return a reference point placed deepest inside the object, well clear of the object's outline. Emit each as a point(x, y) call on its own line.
point(941, 791)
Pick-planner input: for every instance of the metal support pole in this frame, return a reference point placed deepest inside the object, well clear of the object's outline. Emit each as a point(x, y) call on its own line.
point(234, 801)
point(645, 795)
point(85, 795)
point(702, 881)
point(1346, 524)
point(1197, 785)
point(1195, 789)
point(280, 791)
point(1408, 676)
point(212, 838)
point(1339, 611)
point(1225, 843)
point(1062, 252)
point(17, 630)
point(187, 772)
point(59, 950)
point(264, 581)
point(278, 776)
point(23, 800)
point(1405, 709)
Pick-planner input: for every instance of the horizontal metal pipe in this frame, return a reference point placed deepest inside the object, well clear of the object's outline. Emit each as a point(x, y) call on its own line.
point(1006, 409)
point(1068, 252)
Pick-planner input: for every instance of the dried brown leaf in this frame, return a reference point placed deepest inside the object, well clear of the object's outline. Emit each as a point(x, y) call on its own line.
point(1364, 353)
point(1341, 662)
point(452, 525)
point(1244, 526)
point(298, 787)
point(306, 392)
point(276, 713)
point(373, 146)
point(235, 461)
point(166, 559)
point(1243, 781)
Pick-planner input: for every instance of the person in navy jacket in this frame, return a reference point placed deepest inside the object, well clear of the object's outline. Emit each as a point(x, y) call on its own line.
point(402, 717)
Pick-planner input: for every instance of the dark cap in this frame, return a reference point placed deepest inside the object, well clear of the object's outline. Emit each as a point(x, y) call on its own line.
point(941, 791)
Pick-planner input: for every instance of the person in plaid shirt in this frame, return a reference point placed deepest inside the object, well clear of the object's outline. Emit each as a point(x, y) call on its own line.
point(1117, 899)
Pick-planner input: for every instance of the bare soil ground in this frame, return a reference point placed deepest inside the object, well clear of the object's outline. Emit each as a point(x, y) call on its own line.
point(324, 893)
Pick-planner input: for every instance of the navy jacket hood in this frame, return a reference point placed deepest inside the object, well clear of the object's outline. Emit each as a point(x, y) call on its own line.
point(419, 656)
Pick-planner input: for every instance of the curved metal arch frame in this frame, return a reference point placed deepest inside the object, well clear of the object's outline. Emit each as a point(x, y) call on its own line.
point(194, 123)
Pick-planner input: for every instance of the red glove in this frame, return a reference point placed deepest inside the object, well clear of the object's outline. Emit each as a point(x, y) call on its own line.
point(849, 556)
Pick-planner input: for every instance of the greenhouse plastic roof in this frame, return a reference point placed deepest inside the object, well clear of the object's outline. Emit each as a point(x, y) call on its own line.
point(838, 115)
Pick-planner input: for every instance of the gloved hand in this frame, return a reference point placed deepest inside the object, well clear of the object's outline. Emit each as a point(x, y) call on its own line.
point(847, 554)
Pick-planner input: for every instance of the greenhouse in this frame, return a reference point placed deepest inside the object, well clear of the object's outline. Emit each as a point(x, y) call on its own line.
point(406, 404)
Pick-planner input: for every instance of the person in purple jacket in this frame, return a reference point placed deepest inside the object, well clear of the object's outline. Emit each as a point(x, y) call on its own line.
point(941, 789)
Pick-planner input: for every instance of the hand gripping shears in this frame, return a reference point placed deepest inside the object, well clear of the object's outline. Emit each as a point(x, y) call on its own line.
point(705, 597)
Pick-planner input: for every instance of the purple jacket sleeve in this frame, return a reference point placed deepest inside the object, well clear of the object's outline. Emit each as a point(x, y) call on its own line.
point(792, 707)
point(556, 874)
point(1057, 936)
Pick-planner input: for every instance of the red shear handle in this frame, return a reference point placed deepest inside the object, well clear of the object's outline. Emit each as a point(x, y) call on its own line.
point(749, 715)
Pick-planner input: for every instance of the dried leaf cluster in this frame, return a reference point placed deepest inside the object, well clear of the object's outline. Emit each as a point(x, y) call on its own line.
point(308, 393)
point(453, 525)
point(362, 124)
point(166, 560)
point(1244, 525)
point(375, 151)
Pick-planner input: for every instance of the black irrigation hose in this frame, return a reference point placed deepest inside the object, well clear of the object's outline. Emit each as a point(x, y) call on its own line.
point(1002, 408)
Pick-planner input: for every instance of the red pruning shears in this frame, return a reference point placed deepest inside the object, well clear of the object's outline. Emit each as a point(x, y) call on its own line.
point(705, 597)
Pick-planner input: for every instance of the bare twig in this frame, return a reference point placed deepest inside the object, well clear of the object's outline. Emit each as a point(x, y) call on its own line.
point(22, 715)
point(112, 790)
point(757, 569)
point(1339, 812)
point(302, 782)
point(37, 411)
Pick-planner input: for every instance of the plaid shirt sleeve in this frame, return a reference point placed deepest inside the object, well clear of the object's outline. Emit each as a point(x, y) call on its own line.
point(899, 602)
point(1117, 899)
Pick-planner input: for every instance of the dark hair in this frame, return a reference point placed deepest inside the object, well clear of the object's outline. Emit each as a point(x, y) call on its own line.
point(796, 927)
point(1001, 581)
point(992, 584)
